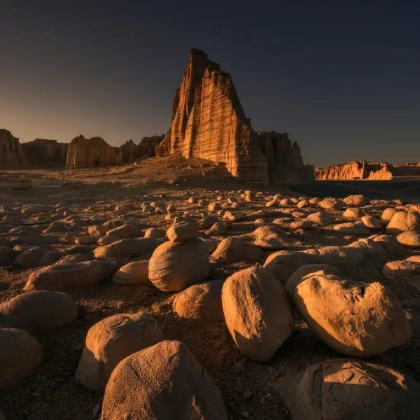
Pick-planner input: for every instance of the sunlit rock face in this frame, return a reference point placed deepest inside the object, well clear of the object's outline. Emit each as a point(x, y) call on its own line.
point(11, 153)
point(284, 159)
point(209, 122)
point(360, 169)
point(90, 153)
point(42, 153)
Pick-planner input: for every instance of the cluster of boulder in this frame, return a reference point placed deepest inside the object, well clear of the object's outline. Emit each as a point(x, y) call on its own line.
point(144, 375)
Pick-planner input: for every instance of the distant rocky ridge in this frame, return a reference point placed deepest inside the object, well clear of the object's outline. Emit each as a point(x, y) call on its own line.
point(209, 122)
point(361, 169)
point(42, 153)
point(11, 153)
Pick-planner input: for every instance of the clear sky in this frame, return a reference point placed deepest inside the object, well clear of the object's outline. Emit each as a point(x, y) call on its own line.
point(341, 77)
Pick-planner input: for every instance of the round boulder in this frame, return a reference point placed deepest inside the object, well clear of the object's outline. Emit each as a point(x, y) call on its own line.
point(354, 318)
point(201, 302)
point(38, 311)
point(175, 266)
point(164, 381)
point(257, 312)
point(133, 274)
point(20, 355)
point(112, 340)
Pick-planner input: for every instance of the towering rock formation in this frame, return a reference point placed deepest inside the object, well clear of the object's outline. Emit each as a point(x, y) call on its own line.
point(11, 153)
point(130, 151)
point(90, 153)
point(359, 169)
point(42, 153)
point(284, 159)
point(208, 122)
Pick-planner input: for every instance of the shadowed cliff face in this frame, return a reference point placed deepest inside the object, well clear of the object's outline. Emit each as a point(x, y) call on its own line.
point(209, 123)
point(356, 170)
point(41, 153)
point(11, 153)
point(130, 151)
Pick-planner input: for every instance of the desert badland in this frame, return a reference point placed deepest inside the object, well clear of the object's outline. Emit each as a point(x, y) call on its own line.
point(208, 273)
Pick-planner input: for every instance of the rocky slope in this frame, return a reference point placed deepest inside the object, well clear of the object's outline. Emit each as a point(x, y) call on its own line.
point(89, 153)
point(11, 153)
point(356, 170)
point(42, 153)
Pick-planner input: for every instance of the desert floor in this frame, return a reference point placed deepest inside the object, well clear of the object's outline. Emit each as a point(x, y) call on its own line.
point(250, 390)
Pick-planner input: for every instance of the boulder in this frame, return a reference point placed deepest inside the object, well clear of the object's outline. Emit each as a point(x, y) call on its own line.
point(371, 222)
point(348, 389)
point(67, 277)
point(201, 302)
point(320, 218)
point(182, 231)
point(387, 214)
point(128, 248)
point(354, 318)
point(232, 250)
point(257, 312)
point(165, 382)
point(133, 274)
point(401, 270)
point(353, 213)
point(352, 228)
point(356, 200)
point(38, 311)
point(404, 221)
point(410, 239)
point(175, 266)
point(110, 341)
point(36, 256)
point(20, 355)
point(298, 276)
point(268, 237)
point(7, 255)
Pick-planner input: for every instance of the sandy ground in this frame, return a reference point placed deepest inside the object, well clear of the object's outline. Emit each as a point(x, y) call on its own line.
point(250, 390)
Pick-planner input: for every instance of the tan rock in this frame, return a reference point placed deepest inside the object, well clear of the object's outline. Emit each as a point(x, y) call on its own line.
point(110, 341)
point(356, 200)
point(133, 274)
point(38, 311)
point(371, 222)
point(176, 266)
point(410, 238)
point(128, 248)
point(356, 170)
point(67, 277)
point(150, 384)
point(354, 318)
point(182, 231)
point(388, 214)
point(348, 389)
point(232, 250)
point(20, 355)
point(401, 270)
point(352, 228)
point(268, 237)
point(257, 312)
point(403, 221)
point(201, 302)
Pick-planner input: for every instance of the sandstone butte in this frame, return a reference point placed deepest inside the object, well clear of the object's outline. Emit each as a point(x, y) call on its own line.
point(11, 153)
point(208, 122)
point(356, 170)
point(42, 153)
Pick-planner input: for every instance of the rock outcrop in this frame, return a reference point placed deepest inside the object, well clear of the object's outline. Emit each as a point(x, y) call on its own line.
point(42, 153)
point(90, 153)
point(209, 122)
point(284, 159)
point(11, 153)
point(130, 152)
point(359, 169)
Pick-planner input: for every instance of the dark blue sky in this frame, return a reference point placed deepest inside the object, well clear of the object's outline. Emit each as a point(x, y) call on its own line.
point(341, 77)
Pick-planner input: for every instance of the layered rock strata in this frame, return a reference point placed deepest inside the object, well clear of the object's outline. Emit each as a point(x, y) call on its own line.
point(90, 153)
point(44, 153)
point(209, 122)
point(11, 153)
point(356, 170)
